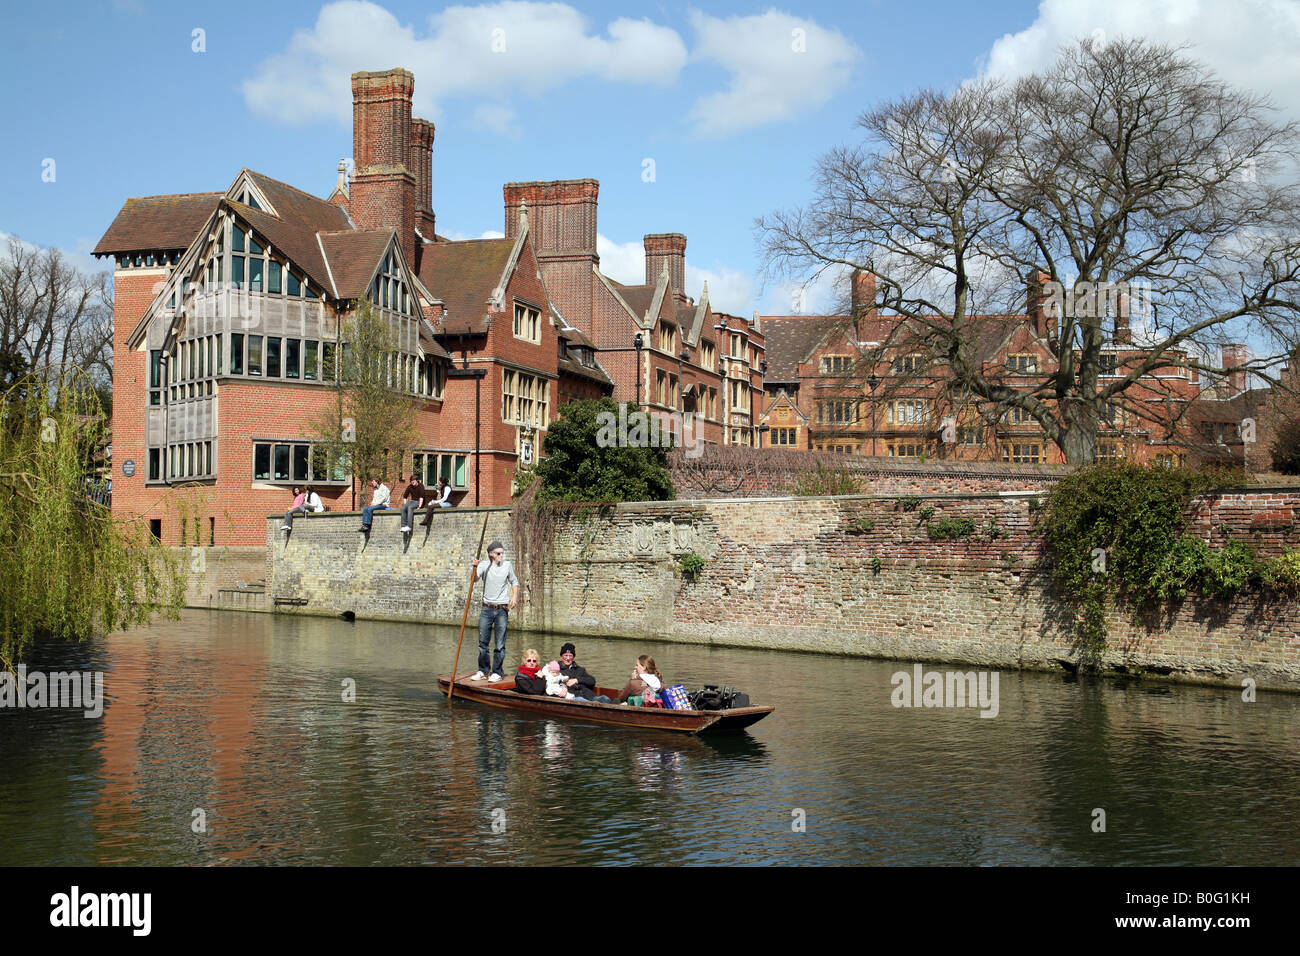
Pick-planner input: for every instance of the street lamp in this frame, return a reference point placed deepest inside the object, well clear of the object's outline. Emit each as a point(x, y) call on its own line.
point(638, 344)
point(871, 384)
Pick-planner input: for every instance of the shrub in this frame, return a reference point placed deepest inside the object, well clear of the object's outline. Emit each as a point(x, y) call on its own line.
point(950, 528)
point(1230, 570)
point(862, 526)
point(909, 503)
point(875, 564)
point(925, 514)
point(1283, 572)
point(690, 565)
point(823, 480)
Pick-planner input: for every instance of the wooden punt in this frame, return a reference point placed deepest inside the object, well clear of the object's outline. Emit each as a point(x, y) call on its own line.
point(502, 694)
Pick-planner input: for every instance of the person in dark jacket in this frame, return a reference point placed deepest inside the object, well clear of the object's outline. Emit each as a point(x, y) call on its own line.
point(529, 679)
point(580, 683)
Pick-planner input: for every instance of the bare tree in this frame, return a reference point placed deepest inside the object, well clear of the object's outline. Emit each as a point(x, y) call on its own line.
point(54, 319)
point(1124, 180)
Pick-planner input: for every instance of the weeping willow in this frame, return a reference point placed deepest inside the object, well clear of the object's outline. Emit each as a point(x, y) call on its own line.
point(67, 569)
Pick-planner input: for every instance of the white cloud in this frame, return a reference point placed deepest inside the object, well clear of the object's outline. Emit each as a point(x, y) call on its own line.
point(495, 49)
point(498, 118)
point(622, 261)
point(781, 67)
point(486, 234)
point(1253, 44)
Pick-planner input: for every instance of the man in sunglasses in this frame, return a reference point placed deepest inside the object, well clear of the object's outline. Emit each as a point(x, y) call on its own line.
point(500, 595)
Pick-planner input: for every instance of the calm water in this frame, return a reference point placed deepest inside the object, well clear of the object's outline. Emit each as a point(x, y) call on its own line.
point(242, 715)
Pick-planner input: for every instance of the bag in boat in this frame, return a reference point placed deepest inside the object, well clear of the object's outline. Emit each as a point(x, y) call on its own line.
point(712, 697)
point(675, 697)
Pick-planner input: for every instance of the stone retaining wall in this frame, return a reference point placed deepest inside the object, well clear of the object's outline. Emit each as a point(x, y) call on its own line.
point(852, 575)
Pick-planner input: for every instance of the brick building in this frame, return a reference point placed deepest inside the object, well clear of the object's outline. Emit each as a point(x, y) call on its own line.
point(664, 350)
point(227, 317)
point(865, 384)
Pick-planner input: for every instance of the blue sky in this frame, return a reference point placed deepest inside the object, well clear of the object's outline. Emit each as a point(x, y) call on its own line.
point(715, 94)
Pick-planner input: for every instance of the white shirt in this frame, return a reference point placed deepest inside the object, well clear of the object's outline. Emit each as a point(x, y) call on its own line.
point(381, 496)
point(445, 498)
point(314, 502)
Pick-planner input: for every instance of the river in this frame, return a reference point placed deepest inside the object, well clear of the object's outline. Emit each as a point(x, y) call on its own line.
point(226, 739)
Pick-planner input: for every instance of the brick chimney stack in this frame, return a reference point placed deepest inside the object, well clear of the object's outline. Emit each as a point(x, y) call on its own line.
point(862, 294)
point(1232, 354)
point(1041, 308)
point(383, 193)
point(667, 248)
point(562, 230)
point(421, 166)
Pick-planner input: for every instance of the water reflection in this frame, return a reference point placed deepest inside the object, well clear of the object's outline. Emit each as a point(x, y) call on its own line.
point(245, 723)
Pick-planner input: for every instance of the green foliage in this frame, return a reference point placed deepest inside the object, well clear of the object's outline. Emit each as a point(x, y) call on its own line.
point(875, 564)
point(909, 503)
point(587, 459)
point(369, 425)
point(951, 528)
point(67, 569)
point(690, 565)
point(993, 531)
point(861, 526)
point(1135, 516)
point(925, 514)
point(823, 480)
point(1281, 573)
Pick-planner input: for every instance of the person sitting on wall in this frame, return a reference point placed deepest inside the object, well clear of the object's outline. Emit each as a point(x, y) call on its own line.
point(379, 501)
point(528, 679)
point(307, 503)
point(412, 498)
point(442, 499)
point(580, 683)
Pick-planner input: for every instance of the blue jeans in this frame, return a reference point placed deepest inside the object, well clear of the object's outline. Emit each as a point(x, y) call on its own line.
point(368, 513)
point(492, 619)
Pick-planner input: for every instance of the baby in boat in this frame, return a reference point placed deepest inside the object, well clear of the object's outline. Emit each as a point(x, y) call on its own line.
point(555, 684)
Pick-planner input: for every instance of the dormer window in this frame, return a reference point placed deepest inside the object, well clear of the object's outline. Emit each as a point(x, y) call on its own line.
point(668, 338)
point(528, 323)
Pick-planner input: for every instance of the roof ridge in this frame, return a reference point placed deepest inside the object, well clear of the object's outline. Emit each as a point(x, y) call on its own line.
point(281, 182)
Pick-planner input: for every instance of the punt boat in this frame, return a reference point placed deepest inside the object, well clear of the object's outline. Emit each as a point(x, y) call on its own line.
point(502, 694)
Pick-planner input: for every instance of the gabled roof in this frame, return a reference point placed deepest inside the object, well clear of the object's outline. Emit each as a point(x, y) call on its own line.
point(157, 222)
point(465, 275)
point(295, 240)
point(791, 339)
point(354, 257)
point(318, 215)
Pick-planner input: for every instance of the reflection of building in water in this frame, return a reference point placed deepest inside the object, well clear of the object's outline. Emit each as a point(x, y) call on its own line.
point(169, 707)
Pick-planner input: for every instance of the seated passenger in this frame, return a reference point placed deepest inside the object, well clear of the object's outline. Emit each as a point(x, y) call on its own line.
point(527, 679)
point(646, 681)
point(555, 685)
point(576, 679)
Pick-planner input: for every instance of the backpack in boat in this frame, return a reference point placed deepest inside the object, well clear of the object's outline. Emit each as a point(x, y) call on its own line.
point(711, 697)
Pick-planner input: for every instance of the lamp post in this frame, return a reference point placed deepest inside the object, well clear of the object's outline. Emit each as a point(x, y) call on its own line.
point(638, 343)
point(871, 384)
point(721, 328)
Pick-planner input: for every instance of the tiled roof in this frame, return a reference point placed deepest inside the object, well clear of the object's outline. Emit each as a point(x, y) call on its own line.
point(318, 215)
point(158, 222)
point(576, 337)
point(353, 257)
point(639, 297)
point(791, 338)
point(464, 275)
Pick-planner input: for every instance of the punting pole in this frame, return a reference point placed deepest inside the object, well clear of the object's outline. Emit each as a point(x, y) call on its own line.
point(473, 574)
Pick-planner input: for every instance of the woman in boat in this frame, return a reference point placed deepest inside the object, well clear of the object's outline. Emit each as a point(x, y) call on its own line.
point(646, 680)
point(528, 679)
